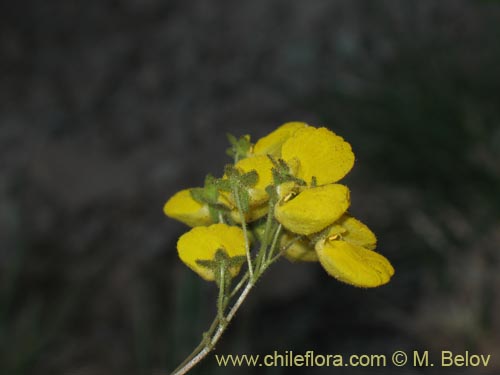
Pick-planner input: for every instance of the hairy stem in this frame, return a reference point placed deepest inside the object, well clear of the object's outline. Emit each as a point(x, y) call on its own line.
point(207, 345)
point(244, 227)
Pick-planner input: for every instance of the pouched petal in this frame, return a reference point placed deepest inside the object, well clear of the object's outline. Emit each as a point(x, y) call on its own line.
point(271, 143)
point(202, 243)
point(313, 209)
point(263, 166)
point(353, 264)
point(318, 152)
point(352, 230)
point(182, 207)
point(299, 250)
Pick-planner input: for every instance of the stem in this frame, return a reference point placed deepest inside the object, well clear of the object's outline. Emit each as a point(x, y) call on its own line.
point(239, 285)
point(265, 257)
point(220, 298)
point(269, 222)
point(244, 227)
point(205, 347)
point(200, 346)
point(221, 218)
point(274, 243)
point(283, 250)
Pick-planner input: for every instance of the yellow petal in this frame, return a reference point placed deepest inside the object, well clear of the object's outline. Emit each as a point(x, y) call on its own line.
point(350, 229)
point(253, 214)
point(353, 264)
point(263, 166)
point(313, 209)
point(182, 207)
point(201, 243)
point(298, 250)
point(320, 153)
point(271, 143)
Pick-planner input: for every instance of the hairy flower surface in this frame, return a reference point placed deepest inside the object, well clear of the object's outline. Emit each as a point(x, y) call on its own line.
point(271, 143)
point(202, 244)
point(319, 153)
point(313, 209)
point(354, 264)
point(352, 230)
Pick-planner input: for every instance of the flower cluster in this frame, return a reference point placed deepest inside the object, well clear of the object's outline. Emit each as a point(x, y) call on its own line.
point(281, 192)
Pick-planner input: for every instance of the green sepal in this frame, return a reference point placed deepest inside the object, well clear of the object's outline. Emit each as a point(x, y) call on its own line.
point(198, 194)
point(249, 179)
point(271, 191)
point(223, 184)
point(240, 148)
point(239, 184)
point(208, 194)
point(281, 172)
point(244, 200)
point(221, 261)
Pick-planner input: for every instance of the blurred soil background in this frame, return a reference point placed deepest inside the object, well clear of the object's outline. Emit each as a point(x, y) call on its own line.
point(109, 107)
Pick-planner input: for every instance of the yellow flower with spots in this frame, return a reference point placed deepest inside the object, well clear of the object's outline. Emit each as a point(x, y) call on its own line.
point(346, 253)
point(318, 157)
point(203, 243)
point(352, 230)
point(313, 209)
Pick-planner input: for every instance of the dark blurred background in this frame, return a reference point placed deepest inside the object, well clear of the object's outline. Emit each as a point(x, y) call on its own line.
point(109, 107)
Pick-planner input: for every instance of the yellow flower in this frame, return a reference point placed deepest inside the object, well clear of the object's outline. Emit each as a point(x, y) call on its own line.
point(298, 250)
point(347, 228)
point(263, 166)
point(202, 243)
point(352, 230)
point(312, 209)
point(182, 207)
point(353, 264)
point(271, 143)
point(317, 152)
